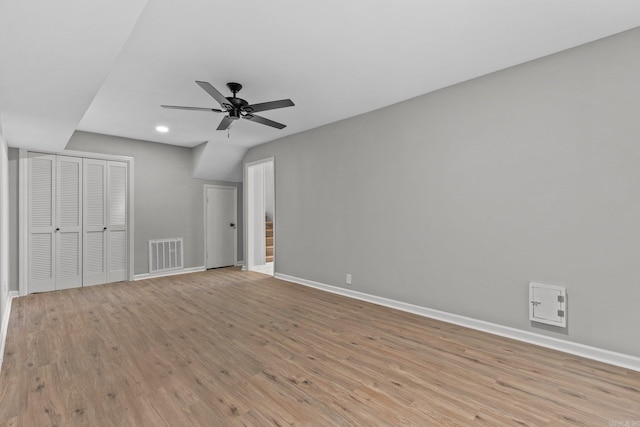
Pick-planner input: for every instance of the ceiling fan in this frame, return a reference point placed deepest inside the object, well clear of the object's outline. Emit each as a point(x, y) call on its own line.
point(237, 108)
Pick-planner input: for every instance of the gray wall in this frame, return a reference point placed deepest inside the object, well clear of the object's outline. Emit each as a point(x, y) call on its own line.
point(457, 199)
point(168, 202)
point(4, 227)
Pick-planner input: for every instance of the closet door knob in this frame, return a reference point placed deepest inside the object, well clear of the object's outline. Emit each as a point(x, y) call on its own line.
point(104, 228)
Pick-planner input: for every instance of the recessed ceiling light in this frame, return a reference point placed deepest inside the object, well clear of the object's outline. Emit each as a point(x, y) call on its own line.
point(162, 129)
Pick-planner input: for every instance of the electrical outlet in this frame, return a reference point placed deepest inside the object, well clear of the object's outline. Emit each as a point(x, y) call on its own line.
point(348, 279)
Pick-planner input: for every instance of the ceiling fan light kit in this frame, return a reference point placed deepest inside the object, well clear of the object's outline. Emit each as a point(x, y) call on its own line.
point(237, 108)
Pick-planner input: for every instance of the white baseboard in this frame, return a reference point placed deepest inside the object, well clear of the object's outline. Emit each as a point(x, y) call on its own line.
point(240, 264)
point(265, 268)
point(594, 353)
point(143, 276)
point(5, 323)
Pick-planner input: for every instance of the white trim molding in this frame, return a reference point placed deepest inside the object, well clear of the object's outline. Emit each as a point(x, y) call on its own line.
point(588, 352)
point(5, 324)
point(22, 222)
point(264, 269)
point(143, 276)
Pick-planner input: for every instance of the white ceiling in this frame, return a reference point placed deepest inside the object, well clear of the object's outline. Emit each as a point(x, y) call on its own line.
point(73, 64)
point(54, 56)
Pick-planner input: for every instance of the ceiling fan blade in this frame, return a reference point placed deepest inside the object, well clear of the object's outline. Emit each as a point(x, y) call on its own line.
point(263, 121)
point(178, 107)
point(213, 92)
point(225, 123)
point(271, 105)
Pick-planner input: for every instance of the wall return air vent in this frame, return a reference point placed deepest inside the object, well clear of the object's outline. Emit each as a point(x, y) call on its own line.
point(165, 254)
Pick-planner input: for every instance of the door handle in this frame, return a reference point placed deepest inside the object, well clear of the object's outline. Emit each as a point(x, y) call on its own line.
point(232, 225)
point(57, 229)
point(104, 228)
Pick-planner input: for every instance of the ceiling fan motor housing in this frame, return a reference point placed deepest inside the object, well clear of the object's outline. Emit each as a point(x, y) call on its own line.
point(237, 105)
point(234, 114)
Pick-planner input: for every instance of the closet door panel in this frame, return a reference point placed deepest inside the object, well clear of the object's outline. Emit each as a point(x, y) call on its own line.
point(41, 250)
point(69, 222)
point(117, 221)
point(41, 222)
point(95, 222)
point(117, 256)
point(117, 194)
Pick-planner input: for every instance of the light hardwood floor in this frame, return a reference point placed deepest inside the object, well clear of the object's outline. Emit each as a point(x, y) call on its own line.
point(226, 347)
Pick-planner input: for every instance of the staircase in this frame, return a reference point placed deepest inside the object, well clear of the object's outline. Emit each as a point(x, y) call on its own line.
point(268, 228)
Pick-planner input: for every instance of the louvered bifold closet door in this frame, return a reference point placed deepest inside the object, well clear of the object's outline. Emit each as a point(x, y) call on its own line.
point(41, 222)
point(68, 232)
point(95, 222)
point(117, 221)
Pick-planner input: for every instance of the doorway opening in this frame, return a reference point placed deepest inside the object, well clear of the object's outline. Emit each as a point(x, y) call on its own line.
point(261, 216)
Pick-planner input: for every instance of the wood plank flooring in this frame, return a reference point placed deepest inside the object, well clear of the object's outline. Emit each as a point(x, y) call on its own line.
point(226, 347)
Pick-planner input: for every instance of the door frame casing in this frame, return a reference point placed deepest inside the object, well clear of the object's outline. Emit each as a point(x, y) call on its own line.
point(235, 215)
point(23, 228)
point(247, 192)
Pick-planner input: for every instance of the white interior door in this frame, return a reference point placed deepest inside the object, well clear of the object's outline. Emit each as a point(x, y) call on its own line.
point(95, 222)
point(117, 221)
point(68, 232)
point(220, 222)
point(41, 222)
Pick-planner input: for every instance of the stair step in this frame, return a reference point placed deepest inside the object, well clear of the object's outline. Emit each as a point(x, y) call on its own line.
point(268, 226)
